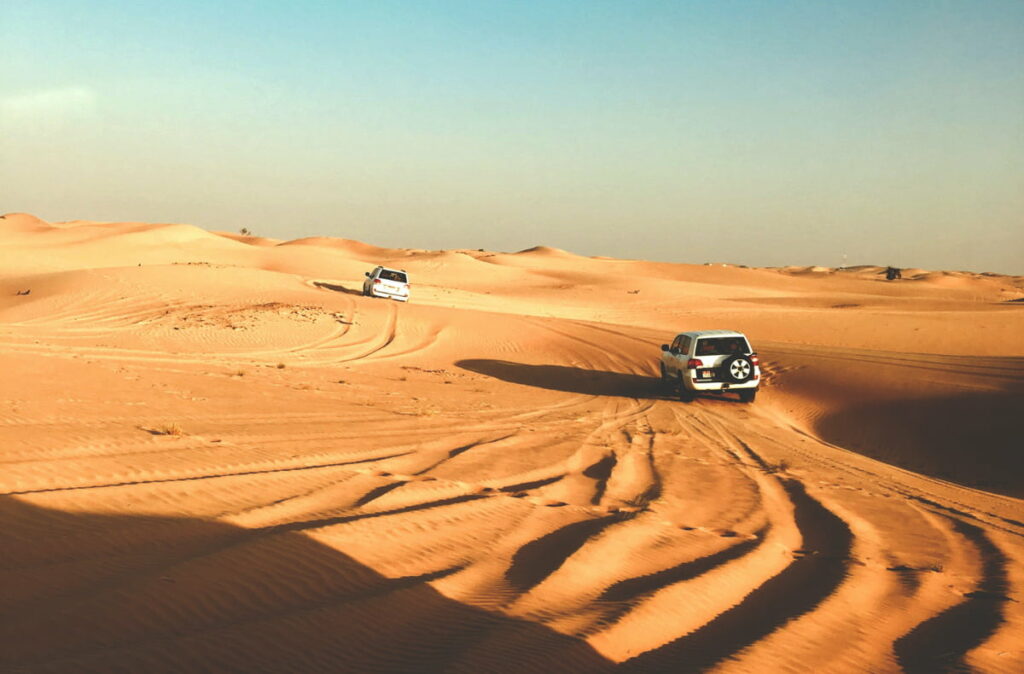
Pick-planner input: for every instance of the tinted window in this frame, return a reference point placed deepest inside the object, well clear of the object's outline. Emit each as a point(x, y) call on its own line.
point(392, 275)
point(684, 344)
point(722, 346)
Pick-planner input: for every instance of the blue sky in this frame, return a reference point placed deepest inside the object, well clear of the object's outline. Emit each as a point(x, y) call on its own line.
point(762, 133)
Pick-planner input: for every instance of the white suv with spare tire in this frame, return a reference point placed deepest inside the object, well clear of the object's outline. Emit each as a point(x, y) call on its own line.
point(384, 282)
point(714, 361)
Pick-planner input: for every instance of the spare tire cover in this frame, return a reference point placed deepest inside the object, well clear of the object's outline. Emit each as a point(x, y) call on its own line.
point(737, 369)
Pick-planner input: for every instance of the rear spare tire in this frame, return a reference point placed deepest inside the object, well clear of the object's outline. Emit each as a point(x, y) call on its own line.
point(737, 369)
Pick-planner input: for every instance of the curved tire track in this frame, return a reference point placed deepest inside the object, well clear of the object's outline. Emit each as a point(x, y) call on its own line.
point(942, 642)
point(805, 583)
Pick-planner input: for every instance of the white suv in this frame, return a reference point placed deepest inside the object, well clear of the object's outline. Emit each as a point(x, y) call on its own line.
point(711, 360)
point(384, 282)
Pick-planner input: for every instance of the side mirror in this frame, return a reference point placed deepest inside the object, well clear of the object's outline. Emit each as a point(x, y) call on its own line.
point(366, 274)
point(664, 347)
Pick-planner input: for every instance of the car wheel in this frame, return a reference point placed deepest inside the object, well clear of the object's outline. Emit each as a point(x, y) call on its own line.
point(748, 396)
point(685, 394)
point(666, 381)
point(737, 369)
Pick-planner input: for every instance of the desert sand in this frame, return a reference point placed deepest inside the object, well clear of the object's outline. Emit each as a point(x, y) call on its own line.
point(218, 456)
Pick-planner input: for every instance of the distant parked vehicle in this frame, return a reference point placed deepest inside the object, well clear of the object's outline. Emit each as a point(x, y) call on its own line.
point(384, 282)
point(711, 360)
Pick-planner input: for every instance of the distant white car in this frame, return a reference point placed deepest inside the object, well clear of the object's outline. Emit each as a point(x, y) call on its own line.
point(384, 282)
point(711, 360)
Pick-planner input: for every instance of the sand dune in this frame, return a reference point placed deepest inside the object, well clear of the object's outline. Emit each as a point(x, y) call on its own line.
point(218, 455)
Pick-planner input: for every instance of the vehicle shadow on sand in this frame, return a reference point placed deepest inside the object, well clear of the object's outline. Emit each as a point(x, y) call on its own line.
point(569, 379)
point(578, 380)
point(337, 288)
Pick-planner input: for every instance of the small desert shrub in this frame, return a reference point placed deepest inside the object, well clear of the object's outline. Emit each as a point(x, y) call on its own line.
point(280, 366)
point(168, 429)
point(780, 466)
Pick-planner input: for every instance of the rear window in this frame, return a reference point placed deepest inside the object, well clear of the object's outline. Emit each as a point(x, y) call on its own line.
point(392, 275)
point(721, 346)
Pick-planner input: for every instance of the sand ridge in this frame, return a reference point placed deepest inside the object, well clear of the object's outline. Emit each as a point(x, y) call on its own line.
point(218, 455)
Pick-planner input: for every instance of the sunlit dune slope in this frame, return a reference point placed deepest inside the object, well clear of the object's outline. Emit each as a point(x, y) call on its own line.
point(218, 455)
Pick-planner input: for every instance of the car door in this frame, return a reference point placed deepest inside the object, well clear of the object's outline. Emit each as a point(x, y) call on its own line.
point(675, 350)
point(684, 353)
point(368, 282)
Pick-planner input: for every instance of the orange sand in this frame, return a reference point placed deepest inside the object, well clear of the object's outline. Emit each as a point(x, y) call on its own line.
point(218, 455)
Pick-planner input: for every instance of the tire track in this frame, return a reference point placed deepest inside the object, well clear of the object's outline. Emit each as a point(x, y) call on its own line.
point(626, 593)
point(540, 558)
point(861, 467)
point(797, 590)
point(378, 343)
point(942, 642)
point(205, 476)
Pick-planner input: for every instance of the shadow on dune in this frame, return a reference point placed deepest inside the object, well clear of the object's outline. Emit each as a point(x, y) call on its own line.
point(969, 439)
point(92, 592)
point(578, 380)
point(564, 378)
point(808, 580)
point(337, 288)
point(964, 626)
point(568, 379)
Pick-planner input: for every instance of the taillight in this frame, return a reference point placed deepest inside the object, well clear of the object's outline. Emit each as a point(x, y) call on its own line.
point(376, 281)
point(694, 363)
point(755, 360)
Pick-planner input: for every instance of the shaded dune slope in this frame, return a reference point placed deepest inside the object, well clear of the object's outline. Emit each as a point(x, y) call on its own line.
point(167, 593)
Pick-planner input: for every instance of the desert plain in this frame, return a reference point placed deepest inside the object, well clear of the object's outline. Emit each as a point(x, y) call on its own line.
point(217, 455)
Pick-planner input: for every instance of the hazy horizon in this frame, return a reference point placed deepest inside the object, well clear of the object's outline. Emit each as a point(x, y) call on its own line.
point(765, 134)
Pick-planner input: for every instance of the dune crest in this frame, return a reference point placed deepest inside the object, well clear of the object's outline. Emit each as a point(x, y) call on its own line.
point(349, 246)
point(545, 251)
point(23, 222)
